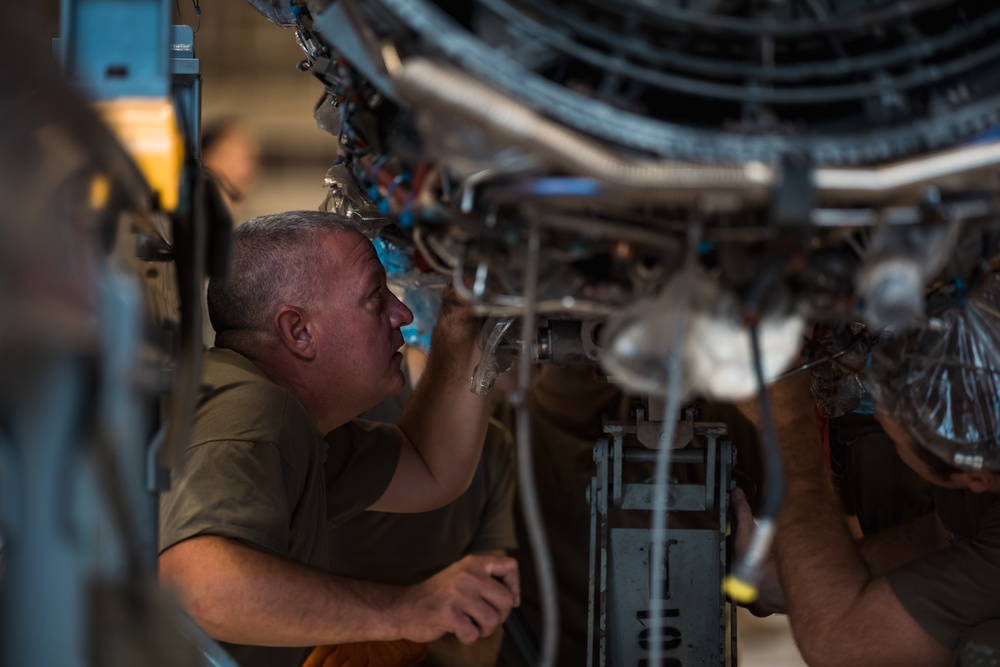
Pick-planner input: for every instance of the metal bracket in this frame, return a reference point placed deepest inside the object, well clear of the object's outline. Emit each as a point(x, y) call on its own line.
point(694, 629)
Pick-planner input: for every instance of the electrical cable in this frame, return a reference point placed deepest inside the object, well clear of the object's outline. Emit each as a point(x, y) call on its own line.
point(525, 465)
point(430, 257)
point(672, 400)
point(742, 583)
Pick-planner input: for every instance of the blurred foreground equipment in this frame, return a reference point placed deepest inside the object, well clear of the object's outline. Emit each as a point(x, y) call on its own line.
point(102, 249)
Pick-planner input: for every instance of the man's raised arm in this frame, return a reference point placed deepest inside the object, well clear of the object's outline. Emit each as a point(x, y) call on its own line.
point(840, 613)
point(444, 423)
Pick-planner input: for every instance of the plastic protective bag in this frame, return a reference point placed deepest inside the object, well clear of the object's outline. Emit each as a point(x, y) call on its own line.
point(346, 196)
point(836, 385)
point(420, 291)
point(494, 360)
point(942, 381)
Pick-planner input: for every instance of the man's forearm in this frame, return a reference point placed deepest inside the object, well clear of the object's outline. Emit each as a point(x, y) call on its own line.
point(443, 403)
point(444, 422)
point(839, 612)
point(821, 570)
point(242, 596)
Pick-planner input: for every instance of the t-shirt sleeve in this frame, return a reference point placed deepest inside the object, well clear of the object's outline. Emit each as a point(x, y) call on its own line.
point(953, 590)
point(496, 531)
point(228, 488)
point(360, 463)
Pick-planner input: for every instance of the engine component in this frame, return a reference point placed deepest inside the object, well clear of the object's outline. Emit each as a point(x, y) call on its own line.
point(638, 138)
point(714, 344)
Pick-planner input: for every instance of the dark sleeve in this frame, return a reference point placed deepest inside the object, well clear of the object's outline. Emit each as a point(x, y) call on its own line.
point(956, 589)
point(360, 463)
point(495, 531)
point(233, 489)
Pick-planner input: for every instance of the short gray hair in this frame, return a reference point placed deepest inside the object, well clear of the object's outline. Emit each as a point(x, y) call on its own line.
point(272, 258)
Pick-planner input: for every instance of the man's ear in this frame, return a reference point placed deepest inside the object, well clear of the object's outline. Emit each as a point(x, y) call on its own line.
point(294, 332)
point(977, 482)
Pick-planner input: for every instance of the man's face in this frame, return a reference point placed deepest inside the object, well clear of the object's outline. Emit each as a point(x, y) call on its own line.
point(357, 321)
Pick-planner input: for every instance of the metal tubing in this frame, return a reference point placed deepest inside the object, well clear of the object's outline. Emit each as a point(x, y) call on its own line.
point(672, 399)
point(526, 474)
point(449, 89)
point(452, 90)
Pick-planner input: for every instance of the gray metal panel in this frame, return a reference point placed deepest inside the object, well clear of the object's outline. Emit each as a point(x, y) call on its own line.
point(680, 497)
point(693, 629)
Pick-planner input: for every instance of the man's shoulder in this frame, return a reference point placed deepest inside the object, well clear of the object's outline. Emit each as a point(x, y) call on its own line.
point(225, 373)
point(221, 365)
point(239, 402)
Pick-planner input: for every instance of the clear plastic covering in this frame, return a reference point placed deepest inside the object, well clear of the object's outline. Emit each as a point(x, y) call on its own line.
point(836, 392)
point(494, 360)
point(942, 381)
point(700, 321)
point(422, 295)
point(346, 197)
point(836, 384)
point(420, 291)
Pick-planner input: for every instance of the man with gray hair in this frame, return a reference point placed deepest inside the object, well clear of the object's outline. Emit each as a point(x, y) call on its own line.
point(308, 337)
point(925, 593)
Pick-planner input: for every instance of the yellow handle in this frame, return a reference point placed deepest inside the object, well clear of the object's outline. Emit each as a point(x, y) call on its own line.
point(739, 591)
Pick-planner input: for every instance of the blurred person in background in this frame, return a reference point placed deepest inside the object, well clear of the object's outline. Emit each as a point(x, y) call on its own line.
point(230, 152)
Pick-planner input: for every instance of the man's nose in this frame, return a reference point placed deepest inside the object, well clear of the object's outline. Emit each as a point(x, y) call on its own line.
point(401, 315)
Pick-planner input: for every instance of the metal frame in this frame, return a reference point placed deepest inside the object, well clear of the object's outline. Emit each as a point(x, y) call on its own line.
point(619, 594)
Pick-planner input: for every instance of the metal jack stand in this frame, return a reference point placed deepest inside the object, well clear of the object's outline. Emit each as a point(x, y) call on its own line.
point(694, 630)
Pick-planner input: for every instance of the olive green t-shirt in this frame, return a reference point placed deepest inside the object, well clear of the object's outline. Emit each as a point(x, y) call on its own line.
point(257, 472)
point(406, 548)
point(954, 590)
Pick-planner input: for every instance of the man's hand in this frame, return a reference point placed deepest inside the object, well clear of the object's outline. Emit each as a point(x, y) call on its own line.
point(771, 597)
point(457, 322)
point(470, 599)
